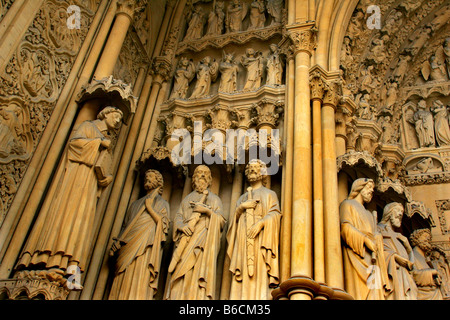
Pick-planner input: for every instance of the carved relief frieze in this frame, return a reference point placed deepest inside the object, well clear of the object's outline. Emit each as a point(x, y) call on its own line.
point(30, 86)
point(443, 209)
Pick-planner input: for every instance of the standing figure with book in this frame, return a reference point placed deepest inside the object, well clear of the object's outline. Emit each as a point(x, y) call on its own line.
point(62, 234)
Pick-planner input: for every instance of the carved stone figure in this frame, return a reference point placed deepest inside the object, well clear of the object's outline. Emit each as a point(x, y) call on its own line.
point(441, 123)
point(274, 66)
point(427, 278)
point(257, 17)
point(275, 9)
point(196, 23)
point(197, 231)
point(423, 122)
point(235, 15)
point(216, 20)
point(12, 135)
point(139, 244)
point(253, 62)
point(433, 69)
point(439, 261)
point(365, 110)
point(184, 74)
point(62, 233)
point(447, 55)
point(364, 269)
point(229, 69)
point(398, 254)
point(253, 239)
point(207, 72)
point(402, 68)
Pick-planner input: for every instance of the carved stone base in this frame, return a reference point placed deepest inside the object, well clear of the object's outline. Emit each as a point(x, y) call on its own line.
point(35, 285)
point(317, 291)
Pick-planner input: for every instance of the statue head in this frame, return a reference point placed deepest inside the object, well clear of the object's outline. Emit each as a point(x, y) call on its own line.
point(256, 170)
point(112, 116)
point(421, 238)
point(153, 180)
point(422, 104)
point(393, 213)
point(201, 179)
point(363, 186)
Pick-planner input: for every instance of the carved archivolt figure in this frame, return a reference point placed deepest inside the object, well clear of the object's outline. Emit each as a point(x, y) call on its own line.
point(447, 55)
point(207, 72)
point(364, 265)
point(423, 122)
point(257, 17)
point(229, 69)
point(427, 278)
point(216, 20)
point(196, 23)
point(398, 254)
point(235, 15)
point(197, 231)
point(12, 135)
point(62, 233)
point(253, 62)
point(275, 66)
point(434, 69)
point(183, 76)
point(139, 244)
point(253, 239)
point(441, 123)
point(275, 9)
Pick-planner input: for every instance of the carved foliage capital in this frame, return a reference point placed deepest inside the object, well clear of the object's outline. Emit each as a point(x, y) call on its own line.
point(161, 69)
point(317, 85)
point(127, 7)
point(333, 93)
point(304, 40)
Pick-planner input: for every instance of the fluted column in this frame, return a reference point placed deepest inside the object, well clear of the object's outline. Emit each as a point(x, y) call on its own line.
point(303, 38)
point(317, 92)
point(333, 251)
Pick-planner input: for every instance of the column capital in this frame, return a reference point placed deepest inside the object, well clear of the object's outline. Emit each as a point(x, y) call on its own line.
point(303, 37)
point(127, 7)
point(160, 69)
point(333, 93)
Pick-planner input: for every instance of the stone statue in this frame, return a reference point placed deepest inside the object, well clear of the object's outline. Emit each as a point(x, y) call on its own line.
point(139, 244)
point(398, 254)
point(196, 23)
point(253, 239)
point(447, 55)
point(62, 233)
point(275, 66)
point(197, 231)
point(216, 20)
point(364, 265)
point(207, 72)
point(184, 74)
point(229, 69)
point(427, 278)
point(433, 69)
point(440, 262)
point(253, 62)
point(235, 15)
point(441, 123)
point(423, 122)
point(257, 17)
point(275, 9)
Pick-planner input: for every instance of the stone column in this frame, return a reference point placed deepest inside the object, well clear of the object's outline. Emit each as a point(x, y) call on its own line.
point(333, 252)
point(303, 38)
point(317, 92)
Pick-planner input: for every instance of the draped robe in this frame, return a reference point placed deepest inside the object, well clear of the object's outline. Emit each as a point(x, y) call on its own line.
point(63, 231)
point(402, 282)
point(194, 277)
point(357, 223)
point(266, 249)
point(423, 275)
point(139, 260)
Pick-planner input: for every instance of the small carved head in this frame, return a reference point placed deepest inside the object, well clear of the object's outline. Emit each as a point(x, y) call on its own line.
point(153, 180)
point(112, 117)
point(363, 186)
point(201, 179)
point(393, 212)
point(421, 238)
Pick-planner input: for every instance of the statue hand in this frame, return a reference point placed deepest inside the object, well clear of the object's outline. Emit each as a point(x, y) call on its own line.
point(106, 143)
point(249, 204)
point(186, 230)
point(255, 230)
point(105, 182)
point(201, 208)
point(370, 244)
point(115, 247)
